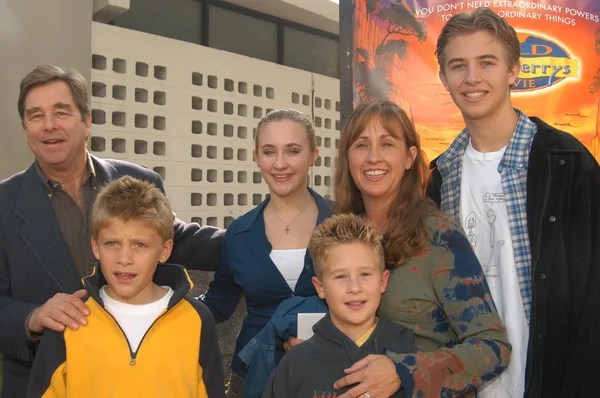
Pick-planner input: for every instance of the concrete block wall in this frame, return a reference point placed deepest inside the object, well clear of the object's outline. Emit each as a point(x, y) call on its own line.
point(189, 112)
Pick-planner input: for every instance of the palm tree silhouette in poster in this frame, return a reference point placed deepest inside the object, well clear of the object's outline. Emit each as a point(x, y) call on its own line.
point(371, 72)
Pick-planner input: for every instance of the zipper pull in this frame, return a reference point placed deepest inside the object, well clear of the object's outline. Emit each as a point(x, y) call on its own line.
point(132, 362)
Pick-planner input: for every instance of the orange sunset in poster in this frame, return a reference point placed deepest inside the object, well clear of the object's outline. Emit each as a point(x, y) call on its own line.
point(393, 57)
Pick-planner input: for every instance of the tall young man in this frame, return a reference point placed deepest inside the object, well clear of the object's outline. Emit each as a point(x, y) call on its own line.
point(528, 196)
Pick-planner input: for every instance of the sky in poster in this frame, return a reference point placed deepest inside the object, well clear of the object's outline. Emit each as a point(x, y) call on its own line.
point(564, 35)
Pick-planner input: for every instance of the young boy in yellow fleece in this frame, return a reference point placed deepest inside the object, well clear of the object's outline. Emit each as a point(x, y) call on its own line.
point(348, 257)
point(144, 337)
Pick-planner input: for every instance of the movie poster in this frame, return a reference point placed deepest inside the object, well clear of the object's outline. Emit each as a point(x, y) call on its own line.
point(389, 48)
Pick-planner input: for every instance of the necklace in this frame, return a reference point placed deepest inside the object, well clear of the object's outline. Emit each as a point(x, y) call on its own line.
point(287, 226)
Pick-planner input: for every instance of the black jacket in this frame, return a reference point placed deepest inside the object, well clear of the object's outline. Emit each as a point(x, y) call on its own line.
point(563, 219)
point(311, 368)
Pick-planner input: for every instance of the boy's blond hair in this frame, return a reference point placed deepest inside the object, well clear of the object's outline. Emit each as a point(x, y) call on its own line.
point(340, 229)
point(481, 19)
point(131, 199)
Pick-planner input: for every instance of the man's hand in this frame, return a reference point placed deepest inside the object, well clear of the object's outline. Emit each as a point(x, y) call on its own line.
point(60, 311)
point(376, 375)
point(291, 342)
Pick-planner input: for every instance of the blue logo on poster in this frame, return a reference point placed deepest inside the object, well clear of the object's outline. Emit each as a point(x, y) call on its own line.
point(544, 64)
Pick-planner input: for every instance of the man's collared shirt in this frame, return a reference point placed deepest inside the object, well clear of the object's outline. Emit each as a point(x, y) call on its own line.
point(513, 173)
point(74, 222)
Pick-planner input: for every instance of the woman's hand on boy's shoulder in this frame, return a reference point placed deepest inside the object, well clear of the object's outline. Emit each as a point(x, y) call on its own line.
point(291, 342)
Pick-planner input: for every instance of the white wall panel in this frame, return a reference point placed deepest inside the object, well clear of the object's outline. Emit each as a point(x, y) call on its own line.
point(189, 112)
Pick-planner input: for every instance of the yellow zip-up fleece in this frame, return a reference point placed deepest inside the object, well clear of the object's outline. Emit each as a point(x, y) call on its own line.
point(178, 357)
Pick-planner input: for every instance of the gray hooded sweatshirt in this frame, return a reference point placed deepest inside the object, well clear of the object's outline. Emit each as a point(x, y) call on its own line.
point(310, 369)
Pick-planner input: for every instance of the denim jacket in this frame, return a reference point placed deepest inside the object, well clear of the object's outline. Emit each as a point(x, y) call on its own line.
point(265, 350)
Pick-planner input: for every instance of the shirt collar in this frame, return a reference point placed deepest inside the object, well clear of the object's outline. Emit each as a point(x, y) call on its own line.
point(49, 184)
point(517, 150)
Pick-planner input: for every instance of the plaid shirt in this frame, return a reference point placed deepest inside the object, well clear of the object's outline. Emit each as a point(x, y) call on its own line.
point(513, 174)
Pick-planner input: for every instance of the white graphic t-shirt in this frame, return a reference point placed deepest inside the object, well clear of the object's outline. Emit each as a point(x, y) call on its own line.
point(485, 221)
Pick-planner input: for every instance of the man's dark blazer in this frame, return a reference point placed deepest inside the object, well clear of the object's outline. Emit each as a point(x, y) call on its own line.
point(35, 263)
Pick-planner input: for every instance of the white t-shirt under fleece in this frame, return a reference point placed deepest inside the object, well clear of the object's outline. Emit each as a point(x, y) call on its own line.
point(289, 263)
point(135, 320)
point(485, 221)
